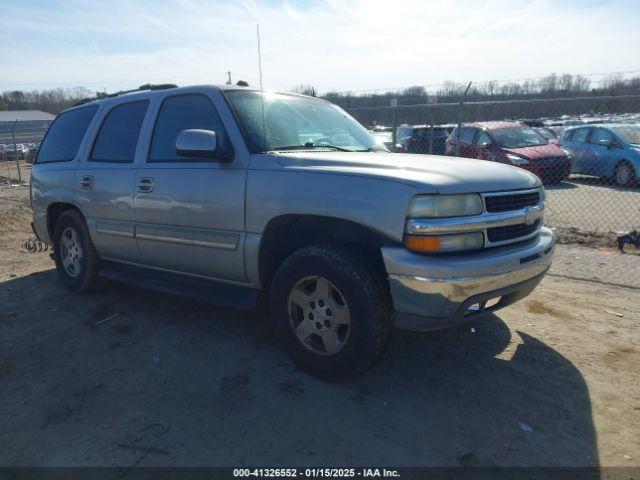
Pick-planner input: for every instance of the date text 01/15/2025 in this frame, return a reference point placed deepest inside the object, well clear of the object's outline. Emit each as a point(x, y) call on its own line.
point(316, 472)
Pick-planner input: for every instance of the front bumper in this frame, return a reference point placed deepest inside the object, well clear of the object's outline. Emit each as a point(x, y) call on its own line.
point(430, 293)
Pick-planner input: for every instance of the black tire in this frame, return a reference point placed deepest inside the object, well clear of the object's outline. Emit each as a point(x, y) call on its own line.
point(86, 278)
point(631, 178)
point(365, 293)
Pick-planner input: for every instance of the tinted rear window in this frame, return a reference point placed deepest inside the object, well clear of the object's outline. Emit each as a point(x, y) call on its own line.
point(65, 135)
point(119, 133)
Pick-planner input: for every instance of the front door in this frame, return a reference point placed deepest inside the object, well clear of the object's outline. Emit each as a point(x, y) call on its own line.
point(190, 210)
point(106, 180)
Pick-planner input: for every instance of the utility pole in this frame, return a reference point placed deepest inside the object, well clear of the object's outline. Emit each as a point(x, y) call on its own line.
point(228, 78)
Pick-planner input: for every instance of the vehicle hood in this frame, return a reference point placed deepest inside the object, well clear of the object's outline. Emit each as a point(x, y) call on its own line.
point(430, 173)
point(536, 153)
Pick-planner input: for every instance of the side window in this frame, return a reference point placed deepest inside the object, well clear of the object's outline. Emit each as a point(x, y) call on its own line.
point(403, 133)
point(422, 134)
point(601, 134)
point(118, 136)
point(467, 134)
point(580, 135)
point(483, 139)
point(182, 112)
point(65, 135)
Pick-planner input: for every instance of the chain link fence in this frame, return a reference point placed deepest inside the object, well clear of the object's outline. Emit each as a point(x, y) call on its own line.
point(19, 144)
point(585, 149)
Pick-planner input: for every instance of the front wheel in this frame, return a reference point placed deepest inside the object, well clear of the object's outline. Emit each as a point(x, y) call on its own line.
point(625, 175)
point(331, 310)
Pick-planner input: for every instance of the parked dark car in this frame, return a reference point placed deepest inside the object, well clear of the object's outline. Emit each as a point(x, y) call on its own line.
point(32, 154)
point(423, 138)
point(513, 143)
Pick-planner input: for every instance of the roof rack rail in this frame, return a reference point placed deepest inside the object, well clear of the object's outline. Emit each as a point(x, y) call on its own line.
point(146, 86)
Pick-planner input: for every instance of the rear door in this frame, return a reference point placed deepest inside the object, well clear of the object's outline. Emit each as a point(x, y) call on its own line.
point(105, 181)
point(483, 144)
point(190, 210)
point(467, 147)
point(606, 157)
point(583, 155)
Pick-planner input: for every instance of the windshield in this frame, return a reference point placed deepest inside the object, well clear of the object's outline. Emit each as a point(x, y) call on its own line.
point(630, 133)
point(297, 123)
point(518, 137)
point(546, 133)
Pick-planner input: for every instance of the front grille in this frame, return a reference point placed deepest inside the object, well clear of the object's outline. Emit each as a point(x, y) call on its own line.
point(511, 232)
point(506, 203)
point(551, 161)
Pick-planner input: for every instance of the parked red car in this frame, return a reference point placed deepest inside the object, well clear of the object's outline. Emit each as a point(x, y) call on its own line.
point(513, 143)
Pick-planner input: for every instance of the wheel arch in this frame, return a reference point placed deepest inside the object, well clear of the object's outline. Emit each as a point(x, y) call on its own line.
point(54, 211)
point(285, 234)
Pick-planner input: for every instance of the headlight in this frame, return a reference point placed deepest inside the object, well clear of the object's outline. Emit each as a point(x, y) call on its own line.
point(441, 206)
point(444, 243)
point(516, 160)
point(566, 151)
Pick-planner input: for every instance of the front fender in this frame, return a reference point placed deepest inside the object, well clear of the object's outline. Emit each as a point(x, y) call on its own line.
point(380, 205)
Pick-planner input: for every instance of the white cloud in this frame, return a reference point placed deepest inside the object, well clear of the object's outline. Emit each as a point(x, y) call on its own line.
point(333, 45)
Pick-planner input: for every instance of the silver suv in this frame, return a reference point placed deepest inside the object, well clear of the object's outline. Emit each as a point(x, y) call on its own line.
point(228, 195)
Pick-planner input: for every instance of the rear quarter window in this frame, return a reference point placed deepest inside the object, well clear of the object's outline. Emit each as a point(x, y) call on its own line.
point(65, 135)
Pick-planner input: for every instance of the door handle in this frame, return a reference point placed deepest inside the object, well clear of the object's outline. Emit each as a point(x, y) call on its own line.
point(146, 185)
point(86, 182)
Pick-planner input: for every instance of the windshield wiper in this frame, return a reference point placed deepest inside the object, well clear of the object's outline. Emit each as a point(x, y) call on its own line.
point(310, 145)
point(375, 148)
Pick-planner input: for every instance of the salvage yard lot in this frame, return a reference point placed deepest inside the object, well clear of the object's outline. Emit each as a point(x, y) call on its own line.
point(552, 380)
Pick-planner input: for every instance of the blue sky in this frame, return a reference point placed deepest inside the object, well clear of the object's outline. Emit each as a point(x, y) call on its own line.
point(332, 44)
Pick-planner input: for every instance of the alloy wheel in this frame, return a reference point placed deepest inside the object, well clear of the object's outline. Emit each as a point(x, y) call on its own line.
point(71, 252)
point(319, 315)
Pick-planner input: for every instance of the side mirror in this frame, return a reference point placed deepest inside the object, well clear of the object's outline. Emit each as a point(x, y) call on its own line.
point(200, 143)
point(605, 143)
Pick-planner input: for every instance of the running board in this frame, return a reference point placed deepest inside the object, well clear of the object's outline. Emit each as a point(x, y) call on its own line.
point(200, 290)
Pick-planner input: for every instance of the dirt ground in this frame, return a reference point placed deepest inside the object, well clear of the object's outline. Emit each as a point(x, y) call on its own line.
point(551, 381)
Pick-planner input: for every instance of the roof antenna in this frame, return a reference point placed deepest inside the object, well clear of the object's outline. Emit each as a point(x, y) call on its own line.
point(264, 131)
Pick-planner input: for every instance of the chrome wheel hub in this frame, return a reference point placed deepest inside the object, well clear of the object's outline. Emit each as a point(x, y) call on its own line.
point(70, 252)
point(319, 315)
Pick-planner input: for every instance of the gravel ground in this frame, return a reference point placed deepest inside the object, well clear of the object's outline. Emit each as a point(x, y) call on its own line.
point(552, 380)
point(592, 205)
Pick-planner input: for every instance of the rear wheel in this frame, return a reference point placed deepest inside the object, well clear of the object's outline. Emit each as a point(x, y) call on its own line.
point(625, 174)
point(332, 312)
point(77, 261)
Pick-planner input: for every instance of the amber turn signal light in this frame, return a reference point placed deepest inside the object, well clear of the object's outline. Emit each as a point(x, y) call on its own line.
point(422, 244)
